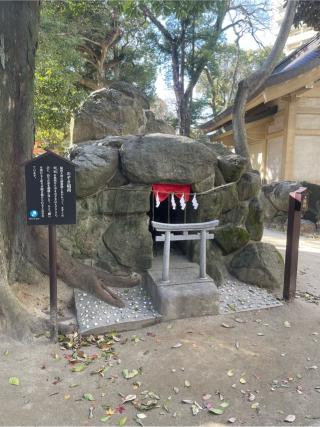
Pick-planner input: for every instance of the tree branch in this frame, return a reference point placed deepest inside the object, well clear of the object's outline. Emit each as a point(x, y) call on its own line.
point(251, 84)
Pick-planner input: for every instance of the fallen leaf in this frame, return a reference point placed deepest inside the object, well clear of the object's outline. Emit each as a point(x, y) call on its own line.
point(176, 390)
point(287, 324)
point(251, 397)
point(141, 416)
point(230, 373)
point(187, 401)
point(313, 367)
point(206, 396)
point(79, 367)
point(119, 409)
point(187, 383)
point(129, 398)
point(88, 396)
point(255, 405)
point(6, 352)
point(178, 345)
point(242, 381)
point(14, 381)
point(226, 325)
point(216, 411)
point(122, 421)
point(110, 411)
point(237, 345)
point(91, 409)
point(260, 334)
point(290, 418)
point(232, 420)
point(104, 419)
point(195, 410)
point(136, 384)
point(129, 374)
point(224, 404)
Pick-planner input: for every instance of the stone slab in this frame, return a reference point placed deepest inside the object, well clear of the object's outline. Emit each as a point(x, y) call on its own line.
point(97, 317)
point(236, 296)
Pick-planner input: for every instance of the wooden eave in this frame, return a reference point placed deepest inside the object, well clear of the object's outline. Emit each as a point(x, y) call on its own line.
point(270, 93)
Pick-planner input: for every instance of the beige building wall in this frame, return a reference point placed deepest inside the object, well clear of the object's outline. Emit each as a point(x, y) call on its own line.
point(286, 146)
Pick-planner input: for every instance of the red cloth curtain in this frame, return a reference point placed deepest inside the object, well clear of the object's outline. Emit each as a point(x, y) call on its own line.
point(164, 190)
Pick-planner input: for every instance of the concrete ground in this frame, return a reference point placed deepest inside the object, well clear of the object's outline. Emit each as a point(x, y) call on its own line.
point(308, 279)
point(261, 365)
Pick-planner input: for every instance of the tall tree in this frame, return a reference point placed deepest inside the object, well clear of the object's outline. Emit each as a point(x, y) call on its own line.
point(188, 32)
point(251, 84)
point(83, 46)
point(228, 65)
point(22, 247)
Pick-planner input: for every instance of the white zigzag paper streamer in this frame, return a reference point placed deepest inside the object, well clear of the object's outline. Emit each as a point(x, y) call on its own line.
point(195, 203)
point(157, 200)
point(173, 202)
point(182, 202)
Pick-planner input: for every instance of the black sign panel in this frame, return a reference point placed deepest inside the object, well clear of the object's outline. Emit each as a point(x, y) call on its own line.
point(50, 190)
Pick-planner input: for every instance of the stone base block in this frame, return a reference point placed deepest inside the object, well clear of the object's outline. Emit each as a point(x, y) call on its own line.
point(184, 296)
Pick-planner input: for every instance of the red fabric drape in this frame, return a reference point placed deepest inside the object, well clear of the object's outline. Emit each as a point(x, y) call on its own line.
point(164, 190)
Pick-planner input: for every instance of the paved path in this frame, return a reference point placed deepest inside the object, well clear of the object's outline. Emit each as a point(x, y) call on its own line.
point(309, 259)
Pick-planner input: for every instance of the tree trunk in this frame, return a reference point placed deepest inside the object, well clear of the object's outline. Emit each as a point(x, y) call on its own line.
point(18, 38)
point(251, 84)
point(19, 244)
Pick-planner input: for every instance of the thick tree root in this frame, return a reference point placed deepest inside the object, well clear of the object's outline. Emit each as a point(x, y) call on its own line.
point(76, 274)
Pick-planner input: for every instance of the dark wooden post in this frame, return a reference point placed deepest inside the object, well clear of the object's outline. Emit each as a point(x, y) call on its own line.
point(292, 249)
point(53, 281)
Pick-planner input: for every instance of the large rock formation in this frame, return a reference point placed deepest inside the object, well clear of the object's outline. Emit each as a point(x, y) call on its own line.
point(120, 109)
point(274, 200)
point(114, 177)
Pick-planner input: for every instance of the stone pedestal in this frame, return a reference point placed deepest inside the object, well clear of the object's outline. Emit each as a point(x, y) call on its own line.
point(185, 295)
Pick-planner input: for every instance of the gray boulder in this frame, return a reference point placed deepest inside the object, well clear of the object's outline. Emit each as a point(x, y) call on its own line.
point(259, 264)
point(232, 166)
point(130, 242)
point(254, 221)
point(237, 215)
point(231, 238)
point(95, 166)
point(229, 197)
point(217, 148)
point(127, 199)
point(249, 185)
point(278, 193)
point(166, 158)
point(120, 109)
point(154, 125)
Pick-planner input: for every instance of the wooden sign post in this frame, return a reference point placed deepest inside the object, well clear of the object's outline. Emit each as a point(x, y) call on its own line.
point(296, 200)
point(51, 200)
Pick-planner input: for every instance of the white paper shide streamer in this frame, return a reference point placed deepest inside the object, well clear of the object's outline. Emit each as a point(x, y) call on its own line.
point(173, 202)
point(157, 200)
point(195, 203)
point(182, 202)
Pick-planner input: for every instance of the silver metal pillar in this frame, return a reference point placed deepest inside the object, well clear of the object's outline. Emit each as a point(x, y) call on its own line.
point(166, 257)
point(203, 261)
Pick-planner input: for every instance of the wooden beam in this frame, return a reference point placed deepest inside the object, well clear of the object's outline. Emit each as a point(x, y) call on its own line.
point(288, 141)
point(308, 132)
point(275, 134)
point(308, 110)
